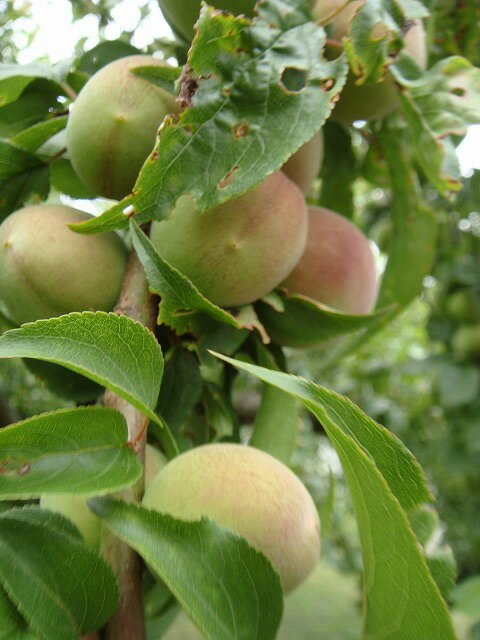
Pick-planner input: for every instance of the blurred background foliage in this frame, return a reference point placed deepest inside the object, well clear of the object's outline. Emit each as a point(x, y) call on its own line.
point(419, 376)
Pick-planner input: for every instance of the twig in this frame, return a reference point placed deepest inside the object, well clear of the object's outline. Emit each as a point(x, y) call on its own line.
point(127, 623)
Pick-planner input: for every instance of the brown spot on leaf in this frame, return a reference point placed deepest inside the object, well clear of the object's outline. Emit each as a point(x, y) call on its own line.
point(188, 87)
point(228, 178)
point(13, 466)
point(328, 84)
point(241, 130)
point(154, 157)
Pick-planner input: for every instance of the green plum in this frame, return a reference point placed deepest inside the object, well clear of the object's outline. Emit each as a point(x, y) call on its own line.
point(240, 250)
point(250, 492)
point(113, 125)
point(49, 270)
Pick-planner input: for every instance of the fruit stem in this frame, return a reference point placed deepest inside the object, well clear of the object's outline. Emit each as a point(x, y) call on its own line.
point(128, 620)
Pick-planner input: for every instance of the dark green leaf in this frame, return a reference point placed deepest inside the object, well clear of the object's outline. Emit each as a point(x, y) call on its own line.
point(338, 170)
point(103, 53)
point(228, 589)
point(236, 100)
point(10, 619)
point(62, 382)
point(113, 350)
point(15, 77)
point(78, 451)
point(181, 387)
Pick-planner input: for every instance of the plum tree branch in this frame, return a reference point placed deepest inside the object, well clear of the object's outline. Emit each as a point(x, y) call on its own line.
point(127, 623)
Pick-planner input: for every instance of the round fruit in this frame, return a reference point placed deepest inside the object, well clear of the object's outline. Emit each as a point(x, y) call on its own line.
point(181, 15)
point(303, 167)
point(368, 101)
point(337, 267)
point(49, 270)
point(240, 250)
point(113, 126)
point(466, 342)
point(462, 305)
point(250, 492)
point(74, 507)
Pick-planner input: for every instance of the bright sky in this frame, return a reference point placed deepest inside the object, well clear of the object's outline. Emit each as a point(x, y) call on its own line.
point(57, 35)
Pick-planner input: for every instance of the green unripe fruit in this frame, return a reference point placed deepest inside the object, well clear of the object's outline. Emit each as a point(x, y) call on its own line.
point(462, 305)
point(113, 125)
point(337, 267)
point(240, 250)
point(250, 492)
point(466, 342)
point(74, 507)
point(303, 167)
point(181, 15)
point(49, 270)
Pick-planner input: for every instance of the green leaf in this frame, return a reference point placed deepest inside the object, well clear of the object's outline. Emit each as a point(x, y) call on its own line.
point(277, 420)
point(305, 322)
point(65, 180)
point(164, 77)
point(113, 350)
point(59, 585)
point(228, 589)
point(443, 100)
point(414, 228)
point(241, 94)
point(338, 170)
point(21, 175)
point(457, 385)
point(78, 451)
point(179, 295)
point(384, 479)
point(467, 596)
point(219, 414)
point(33, 137)
point(15, 77)
point(64, 383)
point(325, 510)
point(443, 568)
point(104, 53)
point(181, 387)
point(10, 619)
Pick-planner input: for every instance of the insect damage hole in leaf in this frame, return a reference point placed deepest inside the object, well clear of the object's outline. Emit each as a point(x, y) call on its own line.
point(293, 80)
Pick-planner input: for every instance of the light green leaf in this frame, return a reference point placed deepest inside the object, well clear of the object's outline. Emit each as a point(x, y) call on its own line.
point(33, 137)
point(256, 90)
point(229, 589)
point(402, 601)
point(164, 77)
point(277, 420)
point(113, 350)
point(15, 77)
point(59, 585)
point(74, 451)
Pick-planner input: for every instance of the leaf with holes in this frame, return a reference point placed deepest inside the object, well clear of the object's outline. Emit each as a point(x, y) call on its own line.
point(114, 351)
point(74, 451)
point(229, 589)
point(257, 90)
point(60, 586)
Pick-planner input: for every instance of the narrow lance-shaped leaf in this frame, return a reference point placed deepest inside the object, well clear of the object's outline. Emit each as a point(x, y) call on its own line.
point(80, 450)
point(229, 589)
point(402, 601)
point(414, 236)
point(61, 587)
point(257, 90)
point(113, 350)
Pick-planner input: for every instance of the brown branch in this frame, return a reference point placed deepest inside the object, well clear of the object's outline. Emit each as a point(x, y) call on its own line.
point(127, 623)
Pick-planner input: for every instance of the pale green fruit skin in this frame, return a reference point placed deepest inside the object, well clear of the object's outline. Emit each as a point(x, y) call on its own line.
point(369, 101)
point(181, 15)
point(240, 250)
point(49, 270)
point(74, 507)
point(337, 267)
point(113, 125)
point(304, 166)
point(247, 491)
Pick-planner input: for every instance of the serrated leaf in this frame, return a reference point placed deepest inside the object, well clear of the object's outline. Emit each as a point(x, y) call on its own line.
point(443, 100)
point(377, 468)
point(59, 585)
point(277, 420)
point(113, 350)
point(228, 589)
point(179, 295)
point(78, 451)
point(414, 228)
point(306, 323)
point(257, 90)
point(33, 137)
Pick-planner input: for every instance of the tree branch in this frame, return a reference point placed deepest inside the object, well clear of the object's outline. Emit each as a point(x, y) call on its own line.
point(127, 623)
